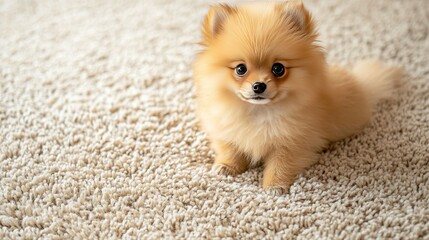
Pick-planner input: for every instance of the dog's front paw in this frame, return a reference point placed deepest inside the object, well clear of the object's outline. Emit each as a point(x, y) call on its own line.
point(276, 190)
point(223, 169)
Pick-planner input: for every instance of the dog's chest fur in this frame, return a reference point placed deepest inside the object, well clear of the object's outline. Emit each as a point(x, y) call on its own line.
point(255, 132)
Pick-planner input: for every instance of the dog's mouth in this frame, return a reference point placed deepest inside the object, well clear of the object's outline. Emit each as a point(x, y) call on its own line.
point(259, 100)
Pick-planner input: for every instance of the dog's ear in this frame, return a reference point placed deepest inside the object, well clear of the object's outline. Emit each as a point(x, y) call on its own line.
point(215, 19)
point(297, 16)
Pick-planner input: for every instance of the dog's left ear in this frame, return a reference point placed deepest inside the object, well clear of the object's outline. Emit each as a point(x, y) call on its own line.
point(215, 20)
point(296, 16)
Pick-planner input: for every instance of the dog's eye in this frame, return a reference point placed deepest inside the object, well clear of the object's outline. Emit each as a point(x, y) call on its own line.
point(278, 69)
point(240, 70)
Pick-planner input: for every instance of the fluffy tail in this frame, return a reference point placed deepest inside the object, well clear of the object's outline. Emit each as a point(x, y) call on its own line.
point(378, 80)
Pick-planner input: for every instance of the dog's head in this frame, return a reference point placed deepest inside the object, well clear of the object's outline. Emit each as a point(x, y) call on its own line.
point(259, 51)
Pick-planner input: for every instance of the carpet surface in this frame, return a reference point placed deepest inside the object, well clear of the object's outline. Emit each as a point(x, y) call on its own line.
point(99, 138)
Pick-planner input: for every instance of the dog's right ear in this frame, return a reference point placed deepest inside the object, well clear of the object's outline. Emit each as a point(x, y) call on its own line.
point(215, 20)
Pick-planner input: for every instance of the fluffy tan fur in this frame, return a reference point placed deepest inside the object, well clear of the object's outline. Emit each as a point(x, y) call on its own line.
point(309, 106)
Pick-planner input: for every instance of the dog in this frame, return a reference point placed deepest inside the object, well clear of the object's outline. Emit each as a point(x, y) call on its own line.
point(266, 95)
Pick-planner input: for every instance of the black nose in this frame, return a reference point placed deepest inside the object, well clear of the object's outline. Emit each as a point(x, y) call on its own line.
point(259, 87)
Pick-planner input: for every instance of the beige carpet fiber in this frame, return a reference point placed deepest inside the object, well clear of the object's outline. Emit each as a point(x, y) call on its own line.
point(99, 138)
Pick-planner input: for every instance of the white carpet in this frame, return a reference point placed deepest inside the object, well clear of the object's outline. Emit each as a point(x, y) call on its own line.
point(98, 137)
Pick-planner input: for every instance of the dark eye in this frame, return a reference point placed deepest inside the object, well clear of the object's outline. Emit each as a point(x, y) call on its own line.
point(240, 70)
point(278, 69)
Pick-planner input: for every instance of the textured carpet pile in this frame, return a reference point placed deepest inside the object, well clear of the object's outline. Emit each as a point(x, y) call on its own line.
point(99, 138)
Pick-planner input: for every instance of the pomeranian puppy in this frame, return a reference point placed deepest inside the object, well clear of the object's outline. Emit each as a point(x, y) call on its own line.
point(265, 93)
